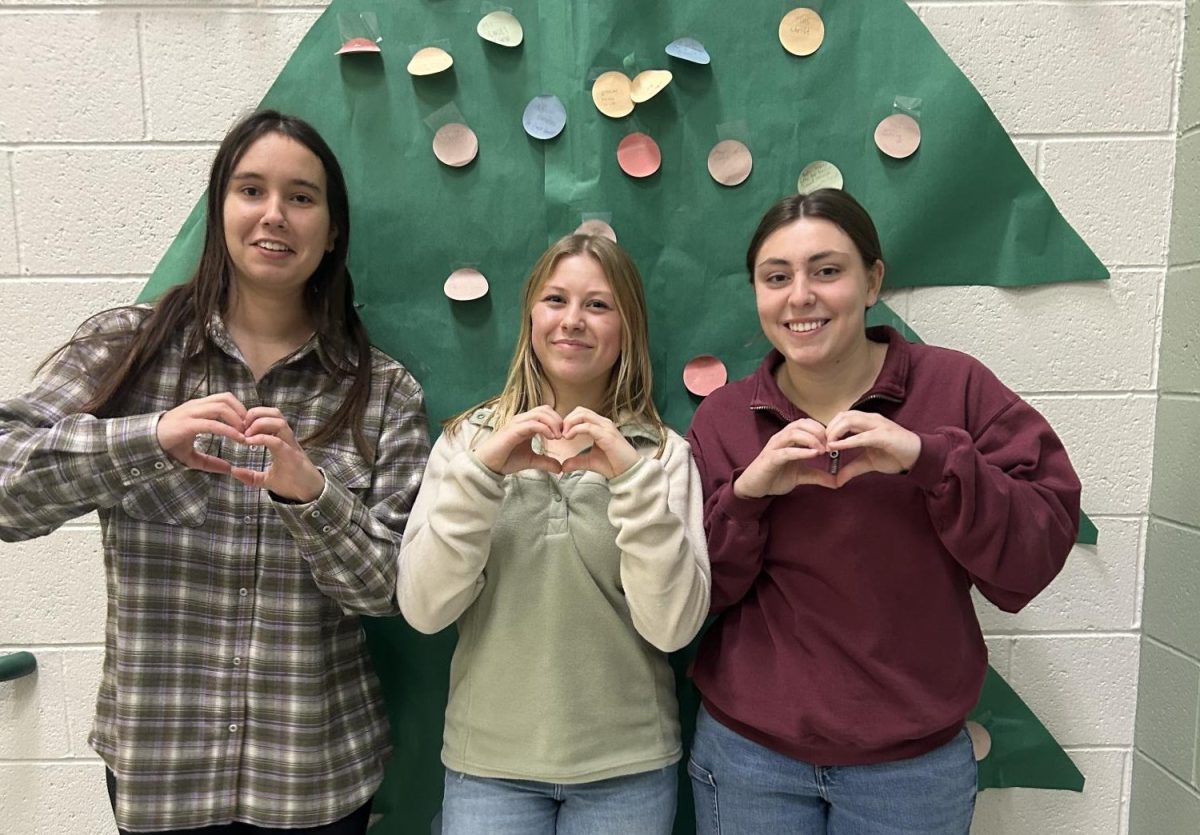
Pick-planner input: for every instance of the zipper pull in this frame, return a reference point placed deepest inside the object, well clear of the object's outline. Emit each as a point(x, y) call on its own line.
point(834, 465)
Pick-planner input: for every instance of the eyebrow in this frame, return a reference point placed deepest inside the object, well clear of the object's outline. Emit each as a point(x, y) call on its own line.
point(554, 288)
point(783, 262)
point(254, 175)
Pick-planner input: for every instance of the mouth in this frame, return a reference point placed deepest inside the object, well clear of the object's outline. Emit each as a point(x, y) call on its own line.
point(272, 246)
point(572, 344)
point(807, 326)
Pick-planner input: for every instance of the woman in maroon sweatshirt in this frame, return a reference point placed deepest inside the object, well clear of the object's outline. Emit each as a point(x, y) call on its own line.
point(857, 486)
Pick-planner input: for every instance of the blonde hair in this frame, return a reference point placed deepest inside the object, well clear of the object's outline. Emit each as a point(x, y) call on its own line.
point(629, 394)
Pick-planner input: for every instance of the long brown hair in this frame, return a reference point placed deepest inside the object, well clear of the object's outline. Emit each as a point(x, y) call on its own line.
point(344, 351)
point(629, 393)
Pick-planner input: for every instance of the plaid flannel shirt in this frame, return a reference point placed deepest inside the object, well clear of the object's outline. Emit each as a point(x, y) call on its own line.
point(236, 680)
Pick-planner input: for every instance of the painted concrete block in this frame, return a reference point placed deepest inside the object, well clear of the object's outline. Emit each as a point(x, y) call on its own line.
point(66, 798)
point(37, 317)
point(1081, 67)
point(200, 100)
point(1110, 441)
point(1083, 689)
point(1176, 451)
point(8, 219)
point(81, 83)
point(1168, 699)
point(81, 673)
point(1115, 192)
point(33, 723)
point(1096, 590)
point(54, 589)
point(1161, 804)
point(1097, 811)
point(1056, 337)
point(1185, 232)
point(1170, 611)
point(103, 212)
point(1179, 356)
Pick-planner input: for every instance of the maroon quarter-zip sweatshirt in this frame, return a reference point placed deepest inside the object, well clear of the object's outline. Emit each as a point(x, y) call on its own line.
point(845, 632)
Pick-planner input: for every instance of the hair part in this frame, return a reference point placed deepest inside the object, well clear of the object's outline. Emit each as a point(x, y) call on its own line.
point(345, 351)
point(629, 392)
point(831, 204)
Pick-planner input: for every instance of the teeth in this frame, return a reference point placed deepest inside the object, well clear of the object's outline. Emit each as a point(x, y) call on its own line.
point(805, 327)
point(274, 247)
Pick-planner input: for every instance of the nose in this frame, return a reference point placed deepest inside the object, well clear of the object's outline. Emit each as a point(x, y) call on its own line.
point(572, 319)
point(273, 212)
point(802, 292)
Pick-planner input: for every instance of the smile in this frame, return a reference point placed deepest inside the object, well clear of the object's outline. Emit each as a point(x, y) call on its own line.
point(807, 327)
point(272, 246)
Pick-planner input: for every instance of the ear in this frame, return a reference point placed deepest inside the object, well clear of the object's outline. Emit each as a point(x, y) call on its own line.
point(874, 282)
point(332, 238)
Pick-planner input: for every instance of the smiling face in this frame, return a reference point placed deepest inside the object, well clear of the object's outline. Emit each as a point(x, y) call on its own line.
point(812, 290)
point(575, 330)
point(276, 216)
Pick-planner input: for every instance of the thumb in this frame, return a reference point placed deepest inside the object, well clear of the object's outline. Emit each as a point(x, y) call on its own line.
point(545, 463)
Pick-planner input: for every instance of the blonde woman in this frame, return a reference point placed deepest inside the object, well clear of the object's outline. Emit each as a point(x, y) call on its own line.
point(559, 526)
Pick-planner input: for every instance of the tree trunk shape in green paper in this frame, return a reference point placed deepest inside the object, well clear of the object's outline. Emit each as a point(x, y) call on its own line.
point(965, 209)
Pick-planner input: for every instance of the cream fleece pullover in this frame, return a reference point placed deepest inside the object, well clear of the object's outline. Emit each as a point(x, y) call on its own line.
point(567, 591)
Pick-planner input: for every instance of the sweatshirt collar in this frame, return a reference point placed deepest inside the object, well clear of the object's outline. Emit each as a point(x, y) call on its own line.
point(891, 384)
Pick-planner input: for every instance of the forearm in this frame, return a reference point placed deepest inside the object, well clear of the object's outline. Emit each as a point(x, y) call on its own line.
point(448, 540)
point(664, 558)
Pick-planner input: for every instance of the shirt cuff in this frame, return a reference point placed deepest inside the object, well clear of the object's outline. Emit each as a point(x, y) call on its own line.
point(136, 454)
point(323, 516)
point(930, 466)
point(738, 510)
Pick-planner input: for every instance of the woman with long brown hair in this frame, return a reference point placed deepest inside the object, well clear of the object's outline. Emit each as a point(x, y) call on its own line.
point(559, 527)
point(253, 461)
point(857, 488)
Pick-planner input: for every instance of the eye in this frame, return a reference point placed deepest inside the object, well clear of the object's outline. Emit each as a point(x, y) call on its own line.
point(304, 199)
point(775, 278)
point(599, 304)
point(829, 272)
point(250, 191)
point(552, 298)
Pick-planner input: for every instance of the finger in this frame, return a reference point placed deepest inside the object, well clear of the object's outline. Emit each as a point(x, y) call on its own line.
point(251, 478)
point(871, 438)
point(857, 467)
point(586, 461)
point(845, 423)
point(796, 438)
point(273, 443)
point(226, 398)
point(796, 453)
point(262, 411)
point(270, 426)
point(547, 416)
point(545, 463)
point(203, 426)
point(207, 463)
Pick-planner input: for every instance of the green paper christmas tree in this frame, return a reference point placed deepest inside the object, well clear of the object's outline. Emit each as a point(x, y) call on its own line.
point(964, 209)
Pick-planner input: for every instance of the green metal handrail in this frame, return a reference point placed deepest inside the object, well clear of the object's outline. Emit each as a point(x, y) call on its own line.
point(16, 665)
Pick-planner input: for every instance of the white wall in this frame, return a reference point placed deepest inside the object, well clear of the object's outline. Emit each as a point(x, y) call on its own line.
point(109, 114)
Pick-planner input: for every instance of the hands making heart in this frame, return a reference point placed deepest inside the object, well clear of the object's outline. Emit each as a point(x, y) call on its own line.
point(786, 461)
point(510, 448)
point(291, 473)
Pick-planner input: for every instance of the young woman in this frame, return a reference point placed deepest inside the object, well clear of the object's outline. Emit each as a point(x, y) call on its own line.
point(253, 461)
point(857, 487)
point(559, 525)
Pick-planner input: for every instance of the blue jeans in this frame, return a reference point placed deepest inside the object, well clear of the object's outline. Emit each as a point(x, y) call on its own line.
point(638, 804)
point(742, 787)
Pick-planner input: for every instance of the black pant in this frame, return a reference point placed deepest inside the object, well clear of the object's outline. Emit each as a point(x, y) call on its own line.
point(353, 824)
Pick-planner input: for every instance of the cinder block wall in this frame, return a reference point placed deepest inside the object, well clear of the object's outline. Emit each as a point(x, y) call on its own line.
point(1166, 767)
point(109, 114)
